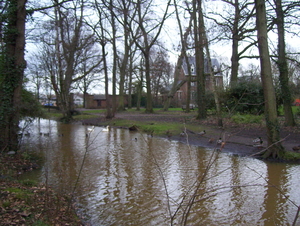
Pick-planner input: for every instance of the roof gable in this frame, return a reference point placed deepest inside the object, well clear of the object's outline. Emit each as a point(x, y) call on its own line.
point(192, 63)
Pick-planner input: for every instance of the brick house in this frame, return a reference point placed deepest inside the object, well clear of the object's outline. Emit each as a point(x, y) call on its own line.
point(181, 95)
point(99, 101)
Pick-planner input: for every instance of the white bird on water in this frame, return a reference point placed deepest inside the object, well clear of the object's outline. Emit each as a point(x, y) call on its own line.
point(106, 129)
point(90, 129)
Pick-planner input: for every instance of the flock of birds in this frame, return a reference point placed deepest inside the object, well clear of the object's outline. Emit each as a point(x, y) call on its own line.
point(257, 142)
point(91, 129)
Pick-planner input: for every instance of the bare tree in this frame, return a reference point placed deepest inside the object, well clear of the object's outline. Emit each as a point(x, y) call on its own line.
point(210, 68)
point(89, 70)
point(275, 150)
point(183, 39)
point(36, 74)
point(71, 41)
point(149, 35)
point(199, 34)
point(160, 73)
point(237, 25)
point(283, 66)
point(124, 12)
point(101, 31)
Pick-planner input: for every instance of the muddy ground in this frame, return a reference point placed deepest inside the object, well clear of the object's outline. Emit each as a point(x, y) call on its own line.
point(238, 137)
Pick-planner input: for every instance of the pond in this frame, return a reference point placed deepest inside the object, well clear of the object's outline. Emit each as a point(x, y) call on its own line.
point(128, 178)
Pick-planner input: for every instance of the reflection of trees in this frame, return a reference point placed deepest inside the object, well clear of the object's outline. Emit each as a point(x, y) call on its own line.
point(155, 180)
point(274, 198)
point(65, 158)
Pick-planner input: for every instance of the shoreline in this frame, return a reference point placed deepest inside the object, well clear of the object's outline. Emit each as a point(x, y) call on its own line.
point(238, 138)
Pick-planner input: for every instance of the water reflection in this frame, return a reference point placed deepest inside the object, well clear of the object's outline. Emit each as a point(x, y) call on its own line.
point(132, 179)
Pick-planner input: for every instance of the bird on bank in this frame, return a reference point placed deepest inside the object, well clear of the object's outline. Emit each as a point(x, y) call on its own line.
point(202, 133)
point(219, 141)
point(223, 144)
point(182, 134)
point(169, 133)
point(150, 134)
point(296, 148)
point(257, 142)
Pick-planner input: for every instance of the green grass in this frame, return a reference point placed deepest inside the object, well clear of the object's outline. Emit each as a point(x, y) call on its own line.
point(248, 119)
point(21, 194)
point(94, 111)
point(295, 109)
point(291, 156)
point(28, 182)
point(84, 116)
point(157, 128)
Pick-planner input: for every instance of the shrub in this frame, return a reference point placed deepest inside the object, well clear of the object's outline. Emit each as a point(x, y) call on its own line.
point(245, 97)
point(238, 118)
point(30, 106)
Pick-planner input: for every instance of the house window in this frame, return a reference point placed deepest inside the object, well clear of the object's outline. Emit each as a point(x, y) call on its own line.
point(193, 84)
point(179, 95)
point(192, 68)
point(193, 95)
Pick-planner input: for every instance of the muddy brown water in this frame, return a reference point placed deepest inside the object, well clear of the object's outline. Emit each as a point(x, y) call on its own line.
point(128, 178)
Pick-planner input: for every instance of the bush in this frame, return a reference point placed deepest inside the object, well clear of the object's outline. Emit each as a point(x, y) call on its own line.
point(245, 97)
point(238, 118)
point(30, 106)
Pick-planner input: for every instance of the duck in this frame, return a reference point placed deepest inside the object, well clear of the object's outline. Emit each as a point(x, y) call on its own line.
point(296, 148)
point(182, 134)
point(169, 133)
point(257, 142)
point(46, 134)
point(220, 141)
point(151, 133)
point(106, 129)
point(223, 144)
point(211, 140)
point(202, 133)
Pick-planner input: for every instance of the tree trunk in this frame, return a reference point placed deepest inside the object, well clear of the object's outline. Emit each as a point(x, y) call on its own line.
point(140, 89)
point(199, 40)
point(115, 57)
point(130, 83)
point(212, 75)
point(12, 74)
point(149, 104)
point(272, 124)
point(283, 67)
point(235, 45)
point(109, 113)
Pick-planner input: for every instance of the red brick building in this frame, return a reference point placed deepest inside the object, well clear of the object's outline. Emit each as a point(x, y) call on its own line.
point(181, 94)
point(99, 101)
